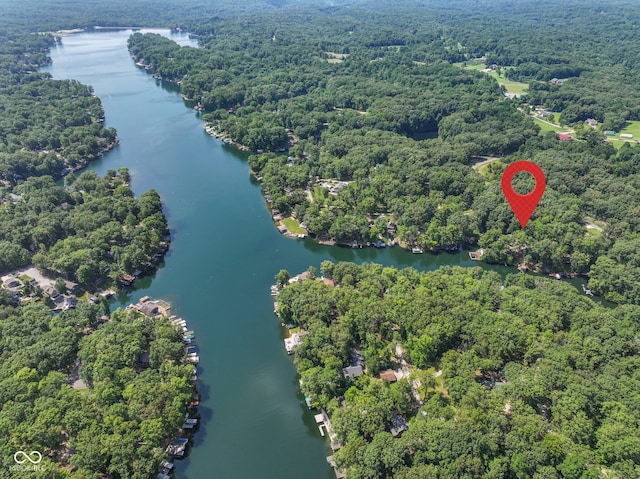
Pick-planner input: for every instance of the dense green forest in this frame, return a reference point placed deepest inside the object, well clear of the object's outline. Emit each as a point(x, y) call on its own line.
point(372, 100)
point(517, 379)
point(91, 231)
point(47, 127)
point(119, 421)
point(522, 378)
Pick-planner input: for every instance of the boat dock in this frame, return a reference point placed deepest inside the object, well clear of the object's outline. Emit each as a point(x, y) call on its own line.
point(476, 255)
point(324, 424)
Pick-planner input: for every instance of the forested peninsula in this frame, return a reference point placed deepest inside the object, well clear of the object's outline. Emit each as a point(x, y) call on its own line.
point(384, 114)
point(457, 373)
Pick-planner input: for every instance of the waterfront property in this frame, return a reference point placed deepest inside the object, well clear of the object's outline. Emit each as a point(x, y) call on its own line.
point(294, 341)
point(159, 310)
point(340, 473)
point(248, 243)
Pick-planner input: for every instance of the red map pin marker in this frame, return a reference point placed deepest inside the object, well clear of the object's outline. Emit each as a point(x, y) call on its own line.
point(523, 205)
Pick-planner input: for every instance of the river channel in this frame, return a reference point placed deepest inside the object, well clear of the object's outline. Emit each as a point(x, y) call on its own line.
point(224, 254)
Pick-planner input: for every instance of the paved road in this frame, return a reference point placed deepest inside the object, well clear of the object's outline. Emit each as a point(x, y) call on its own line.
point(487, 160)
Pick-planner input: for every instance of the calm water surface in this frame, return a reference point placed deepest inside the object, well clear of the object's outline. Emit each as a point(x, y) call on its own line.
point(224, 255)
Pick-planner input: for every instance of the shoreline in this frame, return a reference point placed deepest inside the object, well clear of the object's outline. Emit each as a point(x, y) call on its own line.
point(223, 138)
point(85, 162)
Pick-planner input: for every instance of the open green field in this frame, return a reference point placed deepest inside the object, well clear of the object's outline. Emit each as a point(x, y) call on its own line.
point(547, 127)
point(617, 144)
point(293, 226)
point(471, 64)
point(631, 127)
point(510, 86)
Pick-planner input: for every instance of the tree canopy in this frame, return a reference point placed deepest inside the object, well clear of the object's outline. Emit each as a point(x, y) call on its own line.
point(120, 420)
point(522, 378)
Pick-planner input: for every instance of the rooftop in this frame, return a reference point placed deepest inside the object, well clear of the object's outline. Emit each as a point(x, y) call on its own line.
point(352, 371)
point(389, 375)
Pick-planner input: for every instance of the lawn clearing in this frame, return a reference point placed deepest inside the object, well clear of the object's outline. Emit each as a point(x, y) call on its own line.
point(631, 128)
point(293, 226)
point(336, 57)
point(547, 127)
point(510, 86)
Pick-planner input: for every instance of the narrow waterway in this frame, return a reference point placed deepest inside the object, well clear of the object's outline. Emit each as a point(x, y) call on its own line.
point(224, 255)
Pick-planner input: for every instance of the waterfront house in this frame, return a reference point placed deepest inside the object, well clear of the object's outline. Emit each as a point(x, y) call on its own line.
point(148, 308)
point(127, 279)
point(327, 281)
point(293, 341)
point(300, 277)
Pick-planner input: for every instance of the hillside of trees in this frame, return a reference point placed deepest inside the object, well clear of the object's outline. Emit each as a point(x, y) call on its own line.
point(524, 378)
point(92, 230)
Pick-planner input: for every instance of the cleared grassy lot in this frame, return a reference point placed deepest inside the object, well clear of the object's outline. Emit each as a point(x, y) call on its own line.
point(510, 86)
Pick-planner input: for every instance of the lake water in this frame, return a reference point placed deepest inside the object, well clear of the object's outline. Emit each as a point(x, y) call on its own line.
point(224, 254)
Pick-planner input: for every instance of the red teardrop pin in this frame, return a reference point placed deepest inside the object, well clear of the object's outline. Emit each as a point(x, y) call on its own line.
point(523, 205)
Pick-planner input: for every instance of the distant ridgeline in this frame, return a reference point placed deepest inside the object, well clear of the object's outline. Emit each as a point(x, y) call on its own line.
point(382, 129)
point(453, 374)
point(95, 396)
